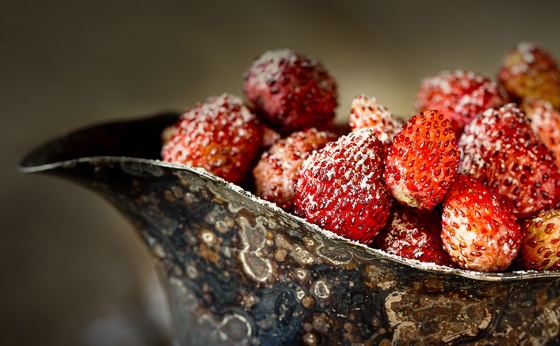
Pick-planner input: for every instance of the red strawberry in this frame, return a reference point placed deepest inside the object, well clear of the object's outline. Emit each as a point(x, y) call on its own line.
point(479, 230)
point(500, 149)
point(291, 91)
point(528, 70)
point(276, 172)
point(422, 161)
point(459, 95)
point(222, 136)
point(366, 112)
point(540, 246)
point(410, 234)
point(545, 122)
point(340, 187)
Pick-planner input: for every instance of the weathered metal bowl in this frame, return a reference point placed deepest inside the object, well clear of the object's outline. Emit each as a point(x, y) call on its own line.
point(239, 271)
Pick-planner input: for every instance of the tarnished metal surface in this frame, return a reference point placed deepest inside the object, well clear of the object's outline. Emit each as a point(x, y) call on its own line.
point(238, 271)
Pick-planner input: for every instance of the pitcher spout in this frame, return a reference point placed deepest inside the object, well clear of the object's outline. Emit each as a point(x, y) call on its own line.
point(135, 139)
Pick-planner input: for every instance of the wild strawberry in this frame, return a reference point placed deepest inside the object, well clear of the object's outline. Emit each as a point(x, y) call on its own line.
point(366, 112)
point(340, 187)
point(276, 172)
point(545, 122)
point(409, 234)
point(528, 70)
point(500, 149)
point(222, 136)
point(540, 245)
point(458, 95)
point(291, 91)
point(422, 161)
point(479, 230)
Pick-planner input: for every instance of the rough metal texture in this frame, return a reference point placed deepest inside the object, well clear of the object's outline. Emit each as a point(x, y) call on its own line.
point(238, 271)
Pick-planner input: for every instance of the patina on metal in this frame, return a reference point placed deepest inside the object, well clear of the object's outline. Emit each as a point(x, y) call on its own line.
point(238, 271)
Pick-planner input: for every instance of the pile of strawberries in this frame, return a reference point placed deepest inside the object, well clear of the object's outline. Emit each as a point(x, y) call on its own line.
point(471, 181)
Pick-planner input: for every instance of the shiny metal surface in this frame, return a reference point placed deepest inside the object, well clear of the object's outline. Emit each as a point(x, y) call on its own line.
point(240, 271)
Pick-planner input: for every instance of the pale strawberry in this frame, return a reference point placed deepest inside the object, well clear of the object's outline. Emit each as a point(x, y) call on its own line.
point(479, 230)
point(366, 112)
point(528, 70)
point(540, 245)
point(545, 122)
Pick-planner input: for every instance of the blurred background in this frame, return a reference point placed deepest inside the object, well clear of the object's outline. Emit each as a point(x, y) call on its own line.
point(73, 272)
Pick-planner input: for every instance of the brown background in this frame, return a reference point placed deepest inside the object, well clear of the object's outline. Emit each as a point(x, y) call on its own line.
point(72, 271)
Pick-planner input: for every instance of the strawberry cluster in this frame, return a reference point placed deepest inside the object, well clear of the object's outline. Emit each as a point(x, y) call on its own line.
point(470, 181)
